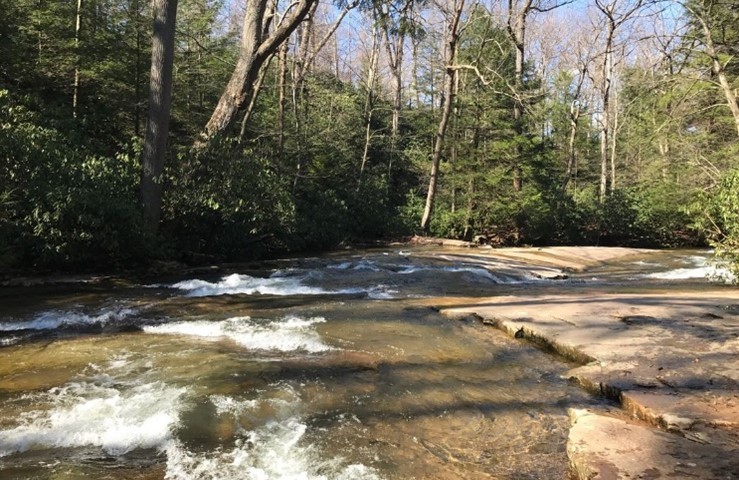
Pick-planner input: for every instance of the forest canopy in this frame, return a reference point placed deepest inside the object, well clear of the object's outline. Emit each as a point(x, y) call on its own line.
point(240, 130)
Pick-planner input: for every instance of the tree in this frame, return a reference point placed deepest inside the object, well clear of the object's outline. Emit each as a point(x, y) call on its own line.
point(517, 15)
point(614, 14)
point(160, 98)
point(257, 45)
point(716, 23)
point(453, 15)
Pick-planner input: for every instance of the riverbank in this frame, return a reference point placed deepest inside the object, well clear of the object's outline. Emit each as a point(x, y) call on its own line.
point(670, 358)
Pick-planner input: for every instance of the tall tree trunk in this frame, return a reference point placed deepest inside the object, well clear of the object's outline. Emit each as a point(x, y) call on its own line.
point(468, 227)
point(614, 137)
point(575, 112)
point(416, 90)
point(664, 152)
point(254, 50)
point(395, 46)
point(240, 87)
point(450, 52)
point(369, 100)
point(253, 101)
point(605, 121)
point(517, 33)
point(281, 85)
point(571, 146)
point(137, 71)
point(76, 86)
point(614, 18)
point(157, 126)
point(453, 154)
point(299, 70)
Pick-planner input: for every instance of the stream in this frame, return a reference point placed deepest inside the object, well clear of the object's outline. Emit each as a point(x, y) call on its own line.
point(335, 367)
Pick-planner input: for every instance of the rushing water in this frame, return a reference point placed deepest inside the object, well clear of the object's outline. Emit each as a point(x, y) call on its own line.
point(324, 368)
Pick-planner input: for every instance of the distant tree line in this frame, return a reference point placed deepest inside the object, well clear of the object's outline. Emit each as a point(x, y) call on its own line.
point(206, 130)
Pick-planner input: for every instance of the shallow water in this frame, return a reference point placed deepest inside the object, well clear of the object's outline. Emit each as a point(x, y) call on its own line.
point(323, 368)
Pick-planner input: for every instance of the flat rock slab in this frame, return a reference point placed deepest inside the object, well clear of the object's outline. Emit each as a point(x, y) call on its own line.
point(606, 448)
point(671, 359)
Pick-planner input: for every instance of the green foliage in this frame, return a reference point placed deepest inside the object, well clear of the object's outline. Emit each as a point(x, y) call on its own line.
point(61, 204)
point(716, 213)
point(226, 201)
point(69, 194)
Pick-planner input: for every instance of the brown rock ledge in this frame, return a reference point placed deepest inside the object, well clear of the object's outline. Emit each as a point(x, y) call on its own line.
point(670, 358)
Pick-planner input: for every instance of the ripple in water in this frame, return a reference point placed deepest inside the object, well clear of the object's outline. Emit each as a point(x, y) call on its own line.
point(55, 319)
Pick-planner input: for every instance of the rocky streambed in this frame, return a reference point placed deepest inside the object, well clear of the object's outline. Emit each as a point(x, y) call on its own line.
point(405, 362)
point(667, 352)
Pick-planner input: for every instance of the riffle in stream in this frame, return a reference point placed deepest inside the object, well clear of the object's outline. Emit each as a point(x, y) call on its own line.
point(324, 368)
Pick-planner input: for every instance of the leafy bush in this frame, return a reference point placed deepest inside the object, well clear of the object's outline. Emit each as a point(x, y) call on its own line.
point(61, 205)
point(716, 213)
point(226, 201)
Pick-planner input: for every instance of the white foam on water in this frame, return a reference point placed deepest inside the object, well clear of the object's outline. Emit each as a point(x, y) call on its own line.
point(703, 268)
point(8, 341)
point(476, 271)
point(382, 292)
point(275, 451)
point(115, 415)
point(340, 266)
point(363, 264)
point(287, 334)
point(229, 405)
point(714, 273)
point(55, 319)
point(642, 263)
point(246, 284)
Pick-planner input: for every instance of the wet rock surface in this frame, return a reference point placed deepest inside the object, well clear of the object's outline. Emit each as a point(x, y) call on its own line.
point(601, 447)
point(671, 358)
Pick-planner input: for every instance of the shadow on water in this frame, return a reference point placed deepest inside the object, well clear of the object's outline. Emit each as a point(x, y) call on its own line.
point(398, 388)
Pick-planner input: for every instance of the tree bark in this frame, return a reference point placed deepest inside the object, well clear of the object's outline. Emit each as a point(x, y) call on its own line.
point(395, 46)
point(281, 81)
point(369, 100)
point(76, 86)
point(575, 111)
point(615, 17)
point(450, 51)
point(137, 72)
point(605, 121)
point(718, 68)
point(254, 51)
point(517, 32)
point(160, 96)
point(614, 137)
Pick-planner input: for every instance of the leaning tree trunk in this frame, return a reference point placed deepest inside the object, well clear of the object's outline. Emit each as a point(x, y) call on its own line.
point(254, 51)
point(720, 71)
point(240, 88)
point(160, 96)
point(369, 101)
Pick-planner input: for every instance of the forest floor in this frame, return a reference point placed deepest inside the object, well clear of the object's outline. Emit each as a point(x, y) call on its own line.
point(669, 356)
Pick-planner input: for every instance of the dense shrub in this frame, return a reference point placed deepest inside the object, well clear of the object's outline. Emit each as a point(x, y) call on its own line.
point(62, 205)
point(716, 213)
